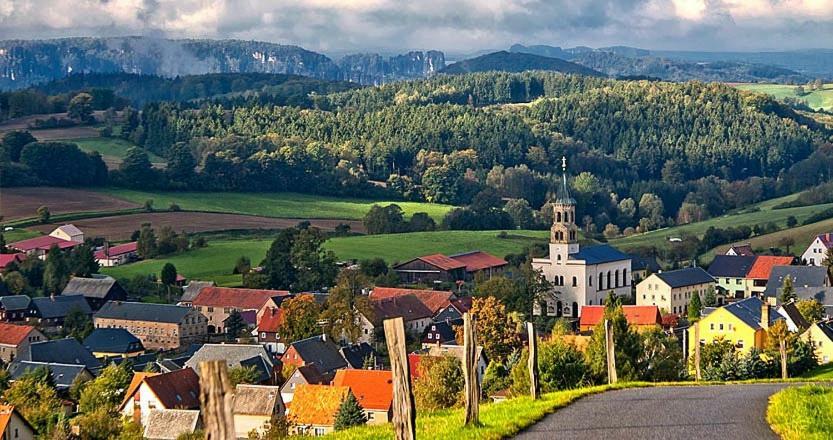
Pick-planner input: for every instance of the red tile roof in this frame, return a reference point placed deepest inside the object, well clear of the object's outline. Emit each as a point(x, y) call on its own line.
point(442, 262)
point(435, 300)
point(316, 404)
point(6, 413)
point(479, 260)
point(763, 266)
point(178, 389)
point(636, 315)
point(115, 251)
point(5, 259)
point(135, 382)
point(372, 388)
point(11, 334)
point(44, 242)
point(251, 299)
point(271, 320)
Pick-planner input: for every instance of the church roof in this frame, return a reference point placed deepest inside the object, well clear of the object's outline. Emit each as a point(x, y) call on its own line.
point(602, 253)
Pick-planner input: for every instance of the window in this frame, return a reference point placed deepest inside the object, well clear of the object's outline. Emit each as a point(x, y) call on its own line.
point(263, 335)
point(740, 343)
point(721, 327)
point(711, 326)
point(575, 281)
point(430, 336)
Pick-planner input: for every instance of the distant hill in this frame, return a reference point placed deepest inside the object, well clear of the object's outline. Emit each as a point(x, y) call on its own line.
point(517, 62)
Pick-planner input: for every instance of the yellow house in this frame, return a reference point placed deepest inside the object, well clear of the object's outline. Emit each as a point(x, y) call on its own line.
point(671, 291)
point(744, 323)
point(820, 335)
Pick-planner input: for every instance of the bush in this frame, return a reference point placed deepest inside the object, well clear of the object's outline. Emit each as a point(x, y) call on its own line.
point(561, 366)
point(440, 383)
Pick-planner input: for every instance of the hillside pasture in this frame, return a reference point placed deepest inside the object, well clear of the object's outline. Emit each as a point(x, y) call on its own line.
point(113, 150)
point(22, 202)
point(816, 99)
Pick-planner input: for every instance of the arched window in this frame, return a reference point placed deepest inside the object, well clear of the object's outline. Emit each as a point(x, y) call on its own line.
point(624, 277)
point(575, 282)
point(559, 257)
point(561, 280)
point(558, 217)
point(601, 282)
point(608, 280)
point(616, 277)
point(590, 280)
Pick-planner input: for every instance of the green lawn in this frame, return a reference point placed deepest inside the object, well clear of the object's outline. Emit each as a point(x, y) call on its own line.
point(802, 413)
point(817, 99)
point(19, 234)
point(111, 147)
point(824, 372)
point(289, 205)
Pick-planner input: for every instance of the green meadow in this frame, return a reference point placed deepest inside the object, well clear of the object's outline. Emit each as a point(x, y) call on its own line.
point(816, 99)
point(111, 147)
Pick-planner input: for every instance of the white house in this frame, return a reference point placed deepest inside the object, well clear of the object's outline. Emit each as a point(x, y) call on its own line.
point(68, 232)
point(179, 389)
point(579, 276)
point(816, 253)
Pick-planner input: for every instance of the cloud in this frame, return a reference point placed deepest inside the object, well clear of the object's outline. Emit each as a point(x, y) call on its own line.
point(461, 25)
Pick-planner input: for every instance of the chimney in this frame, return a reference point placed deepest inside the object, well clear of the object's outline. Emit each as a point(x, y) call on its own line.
point(765, 314)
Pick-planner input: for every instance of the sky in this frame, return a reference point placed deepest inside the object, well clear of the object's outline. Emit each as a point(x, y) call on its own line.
point(453, 26)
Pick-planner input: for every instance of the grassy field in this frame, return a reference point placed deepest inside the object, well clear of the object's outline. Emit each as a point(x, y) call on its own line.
point(802, 413)
point(802, 235)
point(111, 147)
point(817, 99)
point(288, 205)
point(19, 234)
point(824, 372)
point(760, 213)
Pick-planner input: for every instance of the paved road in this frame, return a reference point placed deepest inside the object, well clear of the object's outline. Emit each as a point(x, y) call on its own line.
point(733, 412)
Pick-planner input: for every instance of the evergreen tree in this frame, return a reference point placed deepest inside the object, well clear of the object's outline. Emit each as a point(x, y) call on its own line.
point(710, 300)
point(787, 290)
point(3, 248)
point(82, 261)
point(181, 163)
point(694, 308)
point(56, 272)
point(168, 274)
point(234, 325)
point(136, 169)
point(628, 347)
point(349, 414)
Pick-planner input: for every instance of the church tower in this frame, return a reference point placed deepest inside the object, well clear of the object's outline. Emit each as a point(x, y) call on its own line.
point(564, 233)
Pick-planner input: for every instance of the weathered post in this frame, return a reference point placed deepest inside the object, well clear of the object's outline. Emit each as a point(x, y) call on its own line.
point(782, 346)
point(216, 399)
point(470, 371)
point(697, 373)
point(611, 352)
point(532, 363)
point(404, 415)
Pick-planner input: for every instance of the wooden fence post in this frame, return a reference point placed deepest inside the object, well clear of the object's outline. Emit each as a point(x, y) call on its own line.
point(697, 373)
point(216, 399)
point(470, 371)
point(611, 352)
point(404, 415)
point(782, 346)
point(532, 363)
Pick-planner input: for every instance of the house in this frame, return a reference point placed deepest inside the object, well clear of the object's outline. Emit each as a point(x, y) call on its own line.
point(314, 408)
point(117, 255)
point(169, 424)
point(820, 336)
point(16, 339)
point(97, 290)
point(360, 356)
point(414, 312)
point(440, 302)
point(14, 308)
point(175, 390)
point(63, 375)
point(49, 312)
point(730, 274)
point(479, 263)
point(267, 330)
point(796, 322)
point(740, 250)
point(306, 375)
point(318, 351)
point(158, 326)
point(671, 291)
point(7, 259)
point(744, 323)
point(374, 391)
point(239, 355)
point(13, 426)
point(254, 408)
point(759, 273)
point(808, 282)
point(217, 303)
point(457, 351)
point(39, 246)
point(113, 342)
point(440, 333)
point(641, 267)
point(816, 253)
point(191, 290)
point(641, 317)
point(62, 351)
point(431, 269)
point(68, 232)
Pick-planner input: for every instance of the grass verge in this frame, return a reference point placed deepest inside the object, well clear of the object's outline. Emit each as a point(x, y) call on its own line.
point(823, 372)
point(802, 413)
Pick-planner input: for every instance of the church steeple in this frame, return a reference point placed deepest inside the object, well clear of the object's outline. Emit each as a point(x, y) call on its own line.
point(564, 233)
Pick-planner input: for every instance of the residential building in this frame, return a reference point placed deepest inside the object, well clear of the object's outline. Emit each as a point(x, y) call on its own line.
point(13, 426)
point(744, 323)
point(440, 302)
point(16, 339)
point(169, 424)
point(191, 290)
point(480, 264)
point(217, 303)
point(820, 336)
point(314, 408)
point(318, 351)
point(113, 342)
point(68, 232)
point(7, 259)
point(360, 356)
point(49, 312)
point(158, 326)
point(671, 291)
point(374, 391)
point(254, 408)
point(580, 277)
point(66, 351)
point(730, 274)
point(414, 313)
point(440, 333)
point(807, 281)
point(641, 317)
point(63, 375)
point(110, 256)
point(239, 355)
point(14, 308)
point(97, 290)
point(306, 375)
point(175, 390)
point(796, 322)
point(641, 267)
point(740, 250)
point(39, 246)
point(267, 330)
point(431, 269)
point(816, 253)
point(756, 279)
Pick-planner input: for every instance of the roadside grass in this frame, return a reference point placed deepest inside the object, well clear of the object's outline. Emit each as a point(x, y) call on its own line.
point(111, 147)
point(286, 205)
point(802, 413)
point(823, 372)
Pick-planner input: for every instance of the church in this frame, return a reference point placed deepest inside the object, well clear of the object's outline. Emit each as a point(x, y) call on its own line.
point(579, 276)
